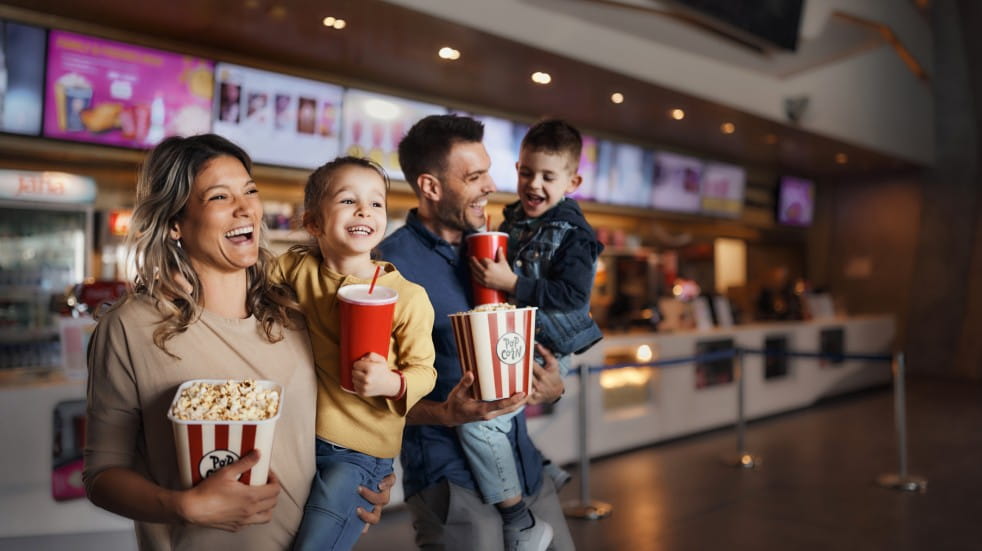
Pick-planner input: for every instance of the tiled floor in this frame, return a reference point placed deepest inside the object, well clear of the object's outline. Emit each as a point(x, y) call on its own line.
point(813, 491)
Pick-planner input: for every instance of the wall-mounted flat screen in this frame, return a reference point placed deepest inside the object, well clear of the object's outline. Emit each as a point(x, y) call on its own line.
point(499, 140)
point(722, 189)
point(676, 183)
point(373, 125)
point(587, 170)
point(278, 119)
point(795, 201)
point(118, 94)
point(623, 174)
point(21, 77)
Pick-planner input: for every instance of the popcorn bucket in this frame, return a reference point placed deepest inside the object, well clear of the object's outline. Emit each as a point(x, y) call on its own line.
point(204, 447)
point(497, 346)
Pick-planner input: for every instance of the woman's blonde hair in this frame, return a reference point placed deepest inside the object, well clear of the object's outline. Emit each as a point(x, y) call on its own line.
point(163, 269)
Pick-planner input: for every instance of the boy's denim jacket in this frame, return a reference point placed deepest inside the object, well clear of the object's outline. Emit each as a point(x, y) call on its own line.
point(555, 259)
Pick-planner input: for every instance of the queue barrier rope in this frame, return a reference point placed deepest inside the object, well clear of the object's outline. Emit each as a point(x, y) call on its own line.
point(587, 508)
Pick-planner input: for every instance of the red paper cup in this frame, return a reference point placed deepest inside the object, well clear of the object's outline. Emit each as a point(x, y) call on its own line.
point(203, 447)
point(486, 245)
point(497, 346)
point(366, 325)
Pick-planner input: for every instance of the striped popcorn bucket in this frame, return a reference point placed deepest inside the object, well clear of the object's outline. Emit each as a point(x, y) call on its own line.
point(203, 447)
point(497, 346)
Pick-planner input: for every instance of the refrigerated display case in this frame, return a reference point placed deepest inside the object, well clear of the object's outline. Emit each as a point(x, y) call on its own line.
point(45, 239)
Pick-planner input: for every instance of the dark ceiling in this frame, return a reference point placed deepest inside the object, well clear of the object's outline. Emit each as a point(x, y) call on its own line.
point(392, 49)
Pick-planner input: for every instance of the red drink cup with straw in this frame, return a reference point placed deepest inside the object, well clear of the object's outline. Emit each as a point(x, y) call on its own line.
point(366, 324)
point(486, 245)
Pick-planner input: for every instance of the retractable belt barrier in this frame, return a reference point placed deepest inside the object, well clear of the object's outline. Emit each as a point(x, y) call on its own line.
point(586, 508)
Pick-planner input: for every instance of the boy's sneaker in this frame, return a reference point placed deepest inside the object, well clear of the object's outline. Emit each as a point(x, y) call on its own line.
point(534, 538)
point(560, 477)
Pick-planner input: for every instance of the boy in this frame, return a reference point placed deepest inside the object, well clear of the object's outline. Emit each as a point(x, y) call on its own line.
point(550, 264)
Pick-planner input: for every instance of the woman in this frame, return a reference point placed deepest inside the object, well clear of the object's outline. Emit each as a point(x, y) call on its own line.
point(202, 307)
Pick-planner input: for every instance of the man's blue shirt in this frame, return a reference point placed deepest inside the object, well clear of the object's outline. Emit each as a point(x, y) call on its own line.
point(431, 453)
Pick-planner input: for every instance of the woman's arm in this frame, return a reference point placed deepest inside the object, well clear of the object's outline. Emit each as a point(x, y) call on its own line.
point(220, 501)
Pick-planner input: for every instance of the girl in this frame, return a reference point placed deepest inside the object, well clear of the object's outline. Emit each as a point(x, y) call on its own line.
point(358, 434)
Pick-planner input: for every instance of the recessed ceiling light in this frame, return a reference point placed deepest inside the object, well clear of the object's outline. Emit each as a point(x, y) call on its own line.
point(727, 128)
point(449, 53)
point(677, 114)
point(841, 158)
point(540, 77)
point(617, 97)
point(334, 23)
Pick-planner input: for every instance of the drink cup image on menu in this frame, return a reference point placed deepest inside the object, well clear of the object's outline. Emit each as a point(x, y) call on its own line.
point(306, 115)
point(73, 94)
point(486, 245)
point(496, 343)
point(283, 120)
point(366, 324)
point(228, 102)
point(216, 422)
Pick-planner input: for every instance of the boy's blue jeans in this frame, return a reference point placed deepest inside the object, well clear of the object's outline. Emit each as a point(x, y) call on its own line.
point(489, 453)
point(329, 519)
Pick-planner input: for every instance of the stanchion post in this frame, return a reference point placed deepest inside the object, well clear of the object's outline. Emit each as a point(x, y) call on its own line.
point(901, 480)
point(585, 508)
point(743, 459)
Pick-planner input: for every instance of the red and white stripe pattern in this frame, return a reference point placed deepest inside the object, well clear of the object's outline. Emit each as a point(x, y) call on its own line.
point(497, 346)
point(203, 447)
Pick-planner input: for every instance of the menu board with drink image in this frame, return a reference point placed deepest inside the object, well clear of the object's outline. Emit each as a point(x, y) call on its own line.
point(499, 140)
point(278, 119)
point(623, 174)
point(374, 124)
point(676, 183)
point(722, 189)
point(118, 94)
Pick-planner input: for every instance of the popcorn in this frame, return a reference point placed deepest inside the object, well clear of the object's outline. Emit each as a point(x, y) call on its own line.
point(495, 307)
point(229, 401)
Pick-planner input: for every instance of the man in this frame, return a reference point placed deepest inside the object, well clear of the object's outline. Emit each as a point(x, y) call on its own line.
point(447, 166)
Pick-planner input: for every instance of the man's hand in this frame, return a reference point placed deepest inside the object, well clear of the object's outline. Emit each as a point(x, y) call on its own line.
point(379, 499)
point(461, 408)
point(547, 385)
point(494, 274)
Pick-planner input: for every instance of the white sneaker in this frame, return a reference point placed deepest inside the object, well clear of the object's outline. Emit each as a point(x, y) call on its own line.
point(534, 538)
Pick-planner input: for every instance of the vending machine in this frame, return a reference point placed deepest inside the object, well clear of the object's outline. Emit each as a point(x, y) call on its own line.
point(45, 239)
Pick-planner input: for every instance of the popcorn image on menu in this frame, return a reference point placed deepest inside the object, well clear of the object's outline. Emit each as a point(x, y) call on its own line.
point(496, 342)
point(217, 421)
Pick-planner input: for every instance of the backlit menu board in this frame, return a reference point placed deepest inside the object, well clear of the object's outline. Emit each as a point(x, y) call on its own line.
point(722, 189)
point(499, 140)
point(796, 201)
point(629, 177)
point(588, 170)
point(21, 77)
point(373, 125)
point(278, 119)
point(676, 183)
point(119, 94)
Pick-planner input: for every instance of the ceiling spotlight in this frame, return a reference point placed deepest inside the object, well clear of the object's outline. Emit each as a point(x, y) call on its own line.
point(334, 23)
point(677, 114)
point(449, 53)
point(727, 128)
point(540, 77)
point(841, 158)
point(617, 97)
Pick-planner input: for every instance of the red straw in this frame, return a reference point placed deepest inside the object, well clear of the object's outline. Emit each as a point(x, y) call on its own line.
point(374, 279)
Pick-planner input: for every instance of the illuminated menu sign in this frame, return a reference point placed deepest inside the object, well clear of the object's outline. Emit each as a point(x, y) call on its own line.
point(118, 94)
point(374, 124)
point(21, 78)
point(278, 119)
point(49, 187)
point(676, 183)
point(722, 189)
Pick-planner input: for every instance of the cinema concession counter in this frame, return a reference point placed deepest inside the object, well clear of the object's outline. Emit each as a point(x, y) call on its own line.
point(628, 408)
